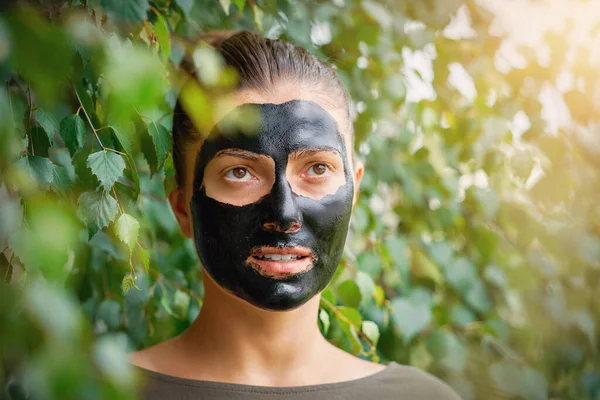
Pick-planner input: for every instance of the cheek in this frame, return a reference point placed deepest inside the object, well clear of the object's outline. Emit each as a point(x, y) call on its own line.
point(318, 188)
point(236, 194)
point(239, 194)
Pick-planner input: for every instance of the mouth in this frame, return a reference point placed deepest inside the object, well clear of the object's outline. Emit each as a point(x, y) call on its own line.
point(280, 262)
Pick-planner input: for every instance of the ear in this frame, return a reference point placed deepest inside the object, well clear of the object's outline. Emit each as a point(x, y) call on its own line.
point(359, 170)
point(181, 209)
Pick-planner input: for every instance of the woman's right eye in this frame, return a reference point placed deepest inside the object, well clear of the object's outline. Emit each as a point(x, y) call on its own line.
point(238, 174)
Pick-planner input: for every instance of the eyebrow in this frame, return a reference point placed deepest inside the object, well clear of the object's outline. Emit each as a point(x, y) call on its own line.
point(311, 151)
point(248, 155)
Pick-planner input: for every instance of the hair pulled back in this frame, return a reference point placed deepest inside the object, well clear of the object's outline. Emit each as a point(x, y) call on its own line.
point(260, 64)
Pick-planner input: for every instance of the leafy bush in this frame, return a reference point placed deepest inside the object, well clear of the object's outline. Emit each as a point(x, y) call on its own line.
point(475, 244)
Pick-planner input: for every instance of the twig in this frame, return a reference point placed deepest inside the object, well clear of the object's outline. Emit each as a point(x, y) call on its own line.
point(341, 316)
point(118, 202)
point(142, 118)
point(87, 116)
point(159, 276)
point(9, 268)
point(28, 128)
point(12, 114)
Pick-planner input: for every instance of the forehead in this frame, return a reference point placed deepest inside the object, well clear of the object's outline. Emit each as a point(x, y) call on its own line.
point(283, 128)
point(284, 92)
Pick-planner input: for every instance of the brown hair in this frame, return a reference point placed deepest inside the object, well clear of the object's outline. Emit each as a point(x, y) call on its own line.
point(260, 63)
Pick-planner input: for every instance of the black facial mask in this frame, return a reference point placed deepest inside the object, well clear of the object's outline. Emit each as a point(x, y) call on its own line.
point(225, 234)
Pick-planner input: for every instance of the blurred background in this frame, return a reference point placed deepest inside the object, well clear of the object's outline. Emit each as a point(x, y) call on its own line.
point(475, 244)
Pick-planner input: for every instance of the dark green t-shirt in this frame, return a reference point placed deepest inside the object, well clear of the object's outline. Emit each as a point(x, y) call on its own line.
point(396, 382)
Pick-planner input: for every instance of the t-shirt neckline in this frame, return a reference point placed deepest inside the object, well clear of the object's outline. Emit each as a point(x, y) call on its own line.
point(240, 387)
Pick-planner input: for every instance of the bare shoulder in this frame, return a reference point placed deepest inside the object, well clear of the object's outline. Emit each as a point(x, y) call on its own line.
point(418, 384)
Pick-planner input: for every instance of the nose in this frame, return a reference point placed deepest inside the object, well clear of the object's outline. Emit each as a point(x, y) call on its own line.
point(275, 227)
point(285, 215)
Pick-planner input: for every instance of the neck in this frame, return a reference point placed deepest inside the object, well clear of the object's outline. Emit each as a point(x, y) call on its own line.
point(239, 339)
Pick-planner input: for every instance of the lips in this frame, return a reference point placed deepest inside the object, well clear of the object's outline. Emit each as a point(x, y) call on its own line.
point(280, 262)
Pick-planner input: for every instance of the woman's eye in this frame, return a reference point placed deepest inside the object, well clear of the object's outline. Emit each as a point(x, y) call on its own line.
point(318, 170)
point(238, 174)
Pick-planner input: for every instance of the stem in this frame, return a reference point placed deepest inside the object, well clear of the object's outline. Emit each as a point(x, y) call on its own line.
point(142, 118)
point(12, 114)
point(9, 269)
point(339, 315)
point(29, 102)
point(159, 276)
point(87, 117)
point(118, 202)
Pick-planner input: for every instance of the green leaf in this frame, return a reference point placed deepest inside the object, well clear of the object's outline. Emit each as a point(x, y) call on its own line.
point(349, 293)
point(40, 143)
point(48, 123)
point(129, 10)
point(40, 51)
point(72, 131)
point(161, 30)
point(123, 135)
point(96, 210)
point(367, 287)
point(371, 330)
point(127, 230)
point(420, 357)
point(169, 183)
point(129, 281)
point(370, 263)
point(324, 318)
point(350, 320)
point(398, 251)
point(448, 351)
point(328, 295)
point(181, 302)
point(477, 297)
point(351, 314)
point(412, 314)
point(109, 311)
point(226, 4)
point(462, 316)
point(60, 179)
point(162, 142)
point(583, 320)
point(131, 88)
point(185, 5)
point(355, 343)
point(460, 274)
point(108, 166)
point(426, 268)
point(519, 380)
point(124, 139)
point(164, 301)
point(142, 257)
point(39, 168)
point(240, 5)
point(258, 16)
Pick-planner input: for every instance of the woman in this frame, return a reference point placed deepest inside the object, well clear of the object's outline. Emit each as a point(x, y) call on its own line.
point(268, 209)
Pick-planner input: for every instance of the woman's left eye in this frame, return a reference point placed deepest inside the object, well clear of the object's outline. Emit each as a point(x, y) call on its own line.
point(238, 174)
point(318, 170)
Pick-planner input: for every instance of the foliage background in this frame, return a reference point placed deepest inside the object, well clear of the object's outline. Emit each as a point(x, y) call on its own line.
point(475, 244)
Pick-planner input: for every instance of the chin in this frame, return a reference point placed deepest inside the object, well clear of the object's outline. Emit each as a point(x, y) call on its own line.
point(285, 297)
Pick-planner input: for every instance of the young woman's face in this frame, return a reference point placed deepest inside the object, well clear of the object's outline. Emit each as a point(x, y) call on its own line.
point(269, 208)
